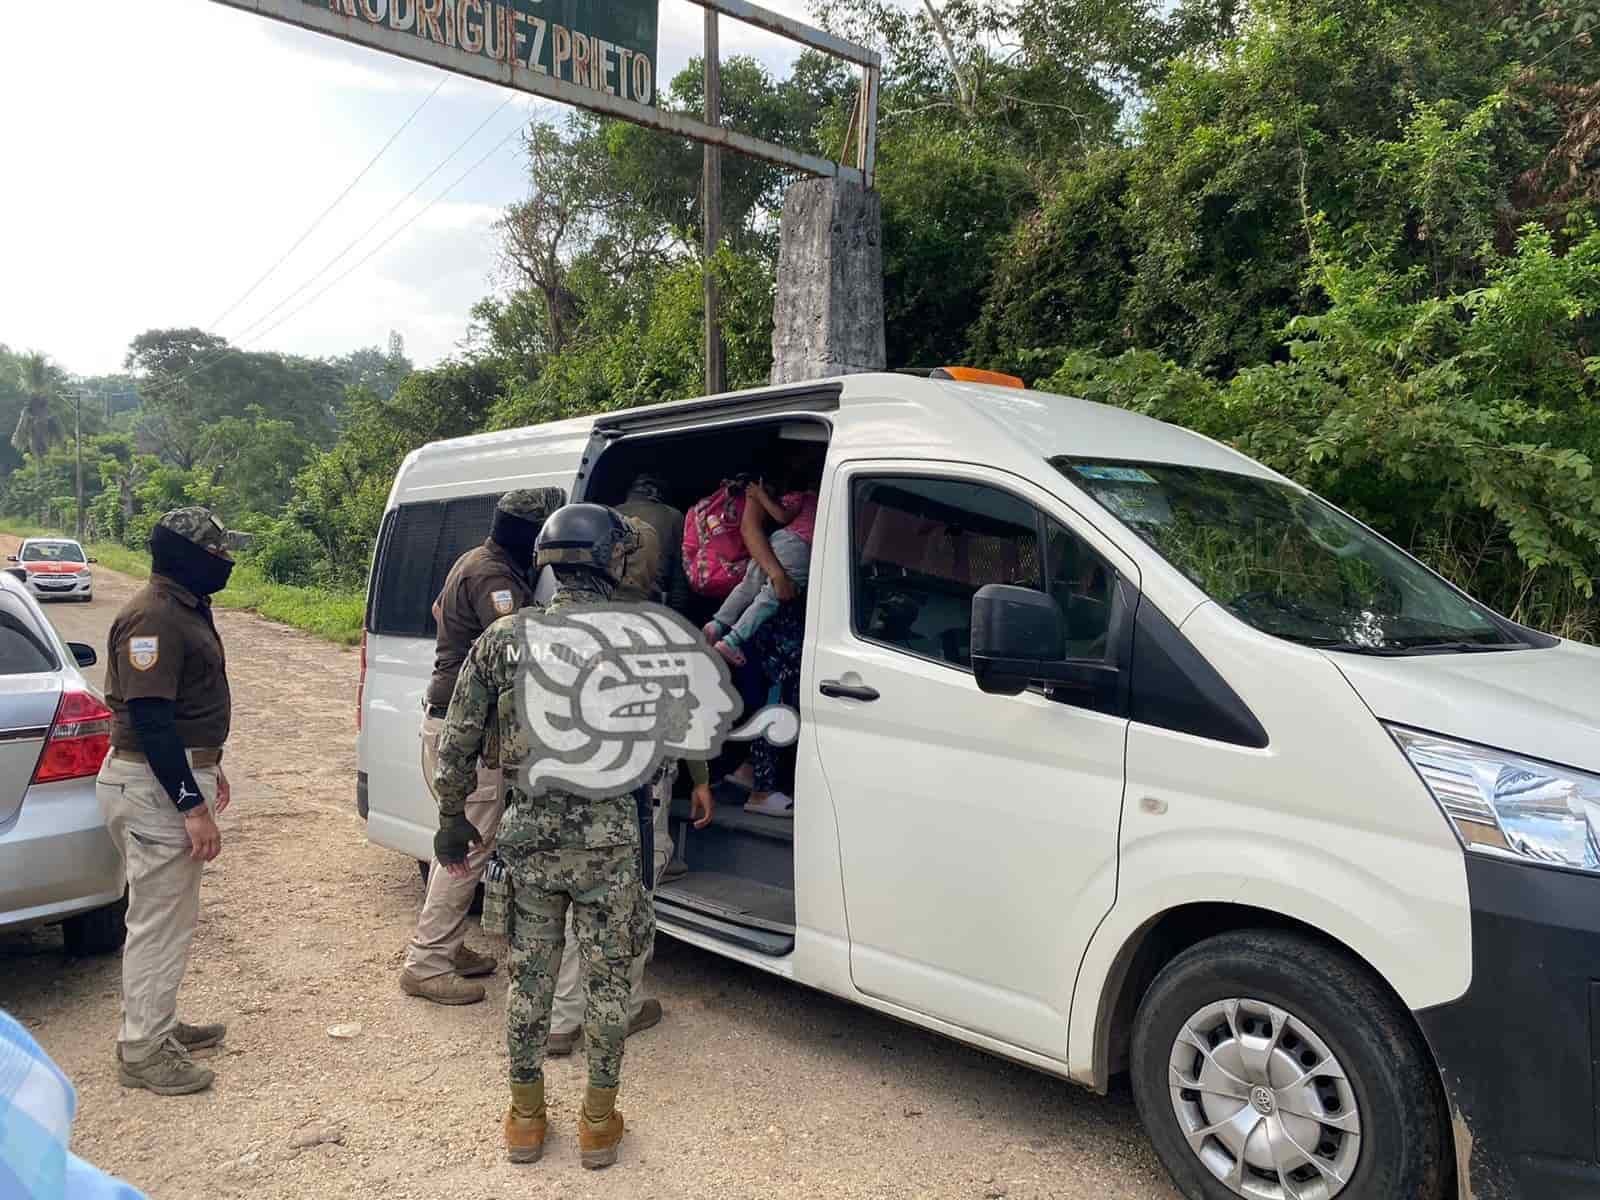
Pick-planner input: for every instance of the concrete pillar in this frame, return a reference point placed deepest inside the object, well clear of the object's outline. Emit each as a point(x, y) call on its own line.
point(828, 313)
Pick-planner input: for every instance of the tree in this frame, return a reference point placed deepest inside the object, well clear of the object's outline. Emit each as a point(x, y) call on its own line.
point(255, 459)
point(38, 425)
point(572, 208)
point(189, 379)
point(376, 369)
point(1052, 79)
point(339, 495)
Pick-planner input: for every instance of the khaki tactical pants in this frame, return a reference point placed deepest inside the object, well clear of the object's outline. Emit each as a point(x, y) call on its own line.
point(163, 896)
point(566, 1015)
point(599, 891)
point(442, 924)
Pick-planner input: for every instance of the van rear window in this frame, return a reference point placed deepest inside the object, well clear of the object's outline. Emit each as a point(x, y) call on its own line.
point(417, 547)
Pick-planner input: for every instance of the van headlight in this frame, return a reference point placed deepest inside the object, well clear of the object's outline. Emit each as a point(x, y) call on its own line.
point(1507, 805)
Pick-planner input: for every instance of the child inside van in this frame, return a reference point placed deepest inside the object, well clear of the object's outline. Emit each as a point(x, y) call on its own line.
point(778, 564)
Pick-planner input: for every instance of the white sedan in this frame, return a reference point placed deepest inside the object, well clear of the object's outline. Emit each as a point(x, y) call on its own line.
point(55, 568)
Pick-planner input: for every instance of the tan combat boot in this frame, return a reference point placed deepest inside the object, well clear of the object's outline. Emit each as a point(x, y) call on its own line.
point(525, 1123)
point(448, 988)
point(167, 1072)
point(470, 964)
point(599, 1128)
point(199, 1037)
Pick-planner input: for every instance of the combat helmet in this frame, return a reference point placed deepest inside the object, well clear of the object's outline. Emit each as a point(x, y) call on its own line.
point(587, 535)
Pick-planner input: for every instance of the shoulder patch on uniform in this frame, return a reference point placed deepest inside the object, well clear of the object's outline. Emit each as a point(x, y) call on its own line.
point(502, 601)
point(144, 652)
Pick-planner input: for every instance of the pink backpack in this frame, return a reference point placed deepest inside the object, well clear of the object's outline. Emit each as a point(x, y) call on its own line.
point(714, 557)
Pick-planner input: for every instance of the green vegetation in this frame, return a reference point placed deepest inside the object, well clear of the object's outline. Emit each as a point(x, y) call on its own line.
point(1355, 238)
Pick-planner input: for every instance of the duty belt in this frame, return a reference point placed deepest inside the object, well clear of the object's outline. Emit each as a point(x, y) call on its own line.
point(207, 757)
point(435, 710)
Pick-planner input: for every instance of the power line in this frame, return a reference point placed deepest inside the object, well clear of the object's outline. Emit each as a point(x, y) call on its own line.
point(361, 237)
point(219, 355)
point(396, 232)
point(360, 175)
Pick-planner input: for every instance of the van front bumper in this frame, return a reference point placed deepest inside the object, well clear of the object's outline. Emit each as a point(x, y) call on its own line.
point(1519, 1053)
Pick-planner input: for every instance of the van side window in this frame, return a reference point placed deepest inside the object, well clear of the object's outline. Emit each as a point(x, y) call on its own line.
point(923, 547)
point(420, 544)
point(1081, 582)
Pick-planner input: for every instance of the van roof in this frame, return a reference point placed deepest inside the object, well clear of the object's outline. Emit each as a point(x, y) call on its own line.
point(874, 415)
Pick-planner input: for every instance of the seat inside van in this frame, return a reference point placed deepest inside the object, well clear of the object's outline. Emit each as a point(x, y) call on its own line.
point(740, 881)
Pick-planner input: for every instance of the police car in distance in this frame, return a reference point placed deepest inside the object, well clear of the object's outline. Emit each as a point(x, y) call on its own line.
point(54, 568)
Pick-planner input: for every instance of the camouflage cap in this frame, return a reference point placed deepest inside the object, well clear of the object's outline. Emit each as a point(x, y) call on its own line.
point(532, 504)
point(197, 525)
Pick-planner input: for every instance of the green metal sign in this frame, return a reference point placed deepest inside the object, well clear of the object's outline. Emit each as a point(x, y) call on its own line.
point(599, 55)
point(603, 46)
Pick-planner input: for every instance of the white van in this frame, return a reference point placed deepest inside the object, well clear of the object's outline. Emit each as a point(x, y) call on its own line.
point(1120, 752)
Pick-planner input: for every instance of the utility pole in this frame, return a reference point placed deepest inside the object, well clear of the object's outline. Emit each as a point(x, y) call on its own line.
point(716, 368)
point(77, 451)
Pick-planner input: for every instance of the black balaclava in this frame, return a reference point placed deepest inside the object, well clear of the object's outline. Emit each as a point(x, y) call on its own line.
point(515, 536)
point(192, 566)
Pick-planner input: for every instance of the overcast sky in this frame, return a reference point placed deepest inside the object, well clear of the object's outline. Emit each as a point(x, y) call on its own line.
point(161, 155)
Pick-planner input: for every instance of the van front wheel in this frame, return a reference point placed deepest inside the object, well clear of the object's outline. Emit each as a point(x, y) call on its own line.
point(1267, 1065)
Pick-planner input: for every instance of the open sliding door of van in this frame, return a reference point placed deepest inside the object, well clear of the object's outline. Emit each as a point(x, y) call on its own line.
point(737, 880)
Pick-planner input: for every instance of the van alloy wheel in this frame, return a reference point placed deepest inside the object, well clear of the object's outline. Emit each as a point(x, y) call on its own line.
point(1263, 1103)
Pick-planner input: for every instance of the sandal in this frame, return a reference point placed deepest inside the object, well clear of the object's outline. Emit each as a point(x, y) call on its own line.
point(776, 804)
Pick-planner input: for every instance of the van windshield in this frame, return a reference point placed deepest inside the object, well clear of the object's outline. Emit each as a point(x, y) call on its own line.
point(1288, 563)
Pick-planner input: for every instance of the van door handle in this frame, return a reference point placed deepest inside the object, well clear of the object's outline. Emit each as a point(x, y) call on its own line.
point(847, 691)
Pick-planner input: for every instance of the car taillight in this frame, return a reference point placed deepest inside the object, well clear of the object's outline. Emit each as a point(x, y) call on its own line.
point(80, 738)
point(361, 680)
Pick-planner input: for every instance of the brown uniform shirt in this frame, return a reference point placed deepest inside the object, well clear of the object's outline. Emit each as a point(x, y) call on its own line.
point(163, 646)
point(482, 587)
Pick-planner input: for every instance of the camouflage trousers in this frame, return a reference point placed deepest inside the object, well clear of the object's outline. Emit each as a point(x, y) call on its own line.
point(613, 921)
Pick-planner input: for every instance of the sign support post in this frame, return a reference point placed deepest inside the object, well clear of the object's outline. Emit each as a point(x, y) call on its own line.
point(716, 367)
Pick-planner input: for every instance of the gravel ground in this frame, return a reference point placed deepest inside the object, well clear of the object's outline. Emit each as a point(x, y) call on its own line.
point(750, 1087)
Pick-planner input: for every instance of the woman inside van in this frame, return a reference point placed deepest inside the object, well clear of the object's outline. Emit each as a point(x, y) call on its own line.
point(773, 624)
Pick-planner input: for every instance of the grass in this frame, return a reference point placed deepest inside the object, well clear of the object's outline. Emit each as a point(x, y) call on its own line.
point(328, 613)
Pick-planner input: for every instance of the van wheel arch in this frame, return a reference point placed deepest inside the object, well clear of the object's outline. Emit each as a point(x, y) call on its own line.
point(1161, 939)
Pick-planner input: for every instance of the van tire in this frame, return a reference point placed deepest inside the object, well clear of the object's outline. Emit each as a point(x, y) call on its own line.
point(100, 931)
point(475, 908)
point(1404, 1148)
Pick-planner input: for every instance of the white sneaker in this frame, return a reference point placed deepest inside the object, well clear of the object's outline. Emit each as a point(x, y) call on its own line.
point(777, 804)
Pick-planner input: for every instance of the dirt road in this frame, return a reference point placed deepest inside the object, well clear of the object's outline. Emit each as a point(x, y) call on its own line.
point(750, 1087)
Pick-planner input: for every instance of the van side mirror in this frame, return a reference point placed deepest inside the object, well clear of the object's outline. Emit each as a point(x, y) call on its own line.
point(1019, 637)
point(92, 558)
point(83, 654)
point(1015, 631)
point(11, 558)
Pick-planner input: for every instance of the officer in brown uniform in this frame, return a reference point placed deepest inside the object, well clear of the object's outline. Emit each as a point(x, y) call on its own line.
point(486, 583)
point(162, 783)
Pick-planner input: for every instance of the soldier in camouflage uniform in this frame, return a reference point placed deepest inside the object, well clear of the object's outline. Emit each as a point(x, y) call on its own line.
point(561, 851)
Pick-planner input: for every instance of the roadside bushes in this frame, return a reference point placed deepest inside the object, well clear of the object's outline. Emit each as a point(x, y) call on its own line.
point(1464, 426)
point(286, 553)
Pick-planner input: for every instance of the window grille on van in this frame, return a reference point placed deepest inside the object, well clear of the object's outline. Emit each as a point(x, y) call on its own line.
point(421, 543)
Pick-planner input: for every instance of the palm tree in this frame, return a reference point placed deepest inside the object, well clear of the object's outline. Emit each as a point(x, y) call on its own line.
point(37, 426)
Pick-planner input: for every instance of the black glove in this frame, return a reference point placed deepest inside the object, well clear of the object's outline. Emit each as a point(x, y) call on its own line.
point(455, 837)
